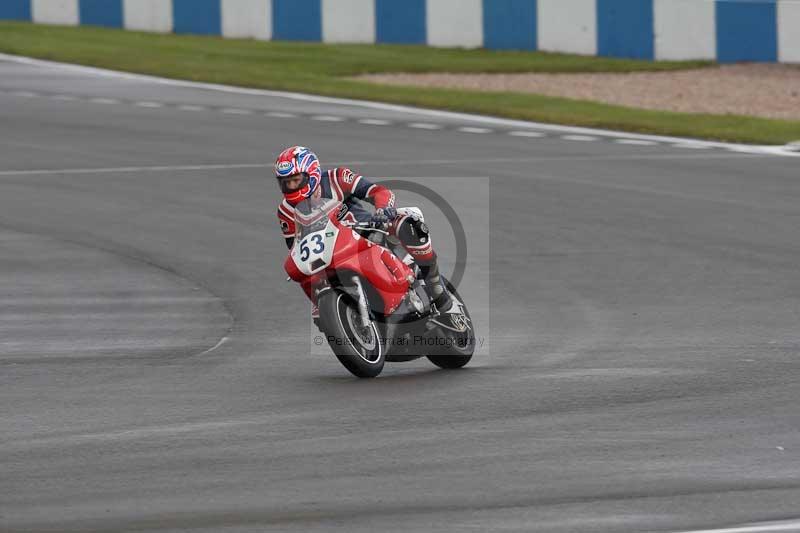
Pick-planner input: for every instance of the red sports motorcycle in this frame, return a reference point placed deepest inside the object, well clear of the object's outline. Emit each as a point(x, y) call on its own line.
point(372, 303)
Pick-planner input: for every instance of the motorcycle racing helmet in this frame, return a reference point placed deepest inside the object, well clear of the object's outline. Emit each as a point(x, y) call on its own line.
point(293, 162)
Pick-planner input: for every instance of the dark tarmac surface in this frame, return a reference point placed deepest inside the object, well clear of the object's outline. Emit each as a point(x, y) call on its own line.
point(640, 373)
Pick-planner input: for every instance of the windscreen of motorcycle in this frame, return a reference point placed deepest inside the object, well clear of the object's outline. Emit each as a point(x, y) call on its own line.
point(316, 235)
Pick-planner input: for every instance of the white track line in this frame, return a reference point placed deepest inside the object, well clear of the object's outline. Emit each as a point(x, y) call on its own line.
point(534, 134)
point(779, 150)
point(280, 114)
point(580, 138)
point(149, 104)
point(374, 122)
point(327, 118)
point(107, 170)
point(763, 527)
point(106, 101)
point(220, 342)
point(635, 142)
point(227, 166)
point(235, 111)
point(692, 146)
point(470, 129)
point(424, 126)
point(449, 115)
point(25, 94)
point(187, 107)
point(64, 97)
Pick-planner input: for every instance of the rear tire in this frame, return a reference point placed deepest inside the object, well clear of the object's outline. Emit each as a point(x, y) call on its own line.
point(460, 353)
point(361, 352)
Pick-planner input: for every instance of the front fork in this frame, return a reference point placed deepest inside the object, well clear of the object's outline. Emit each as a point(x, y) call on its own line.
point(363, 307)
point(359, 295)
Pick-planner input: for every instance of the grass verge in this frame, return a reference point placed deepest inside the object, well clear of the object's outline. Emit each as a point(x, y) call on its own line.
point(322, 69)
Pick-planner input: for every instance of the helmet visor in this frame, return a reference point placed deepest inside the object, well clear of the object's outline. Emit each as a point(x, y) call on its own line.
point(293, 183)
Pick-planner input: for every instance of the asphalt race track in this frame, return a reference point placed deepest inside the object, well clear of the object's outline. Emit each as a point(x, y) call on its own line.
point(640, 371)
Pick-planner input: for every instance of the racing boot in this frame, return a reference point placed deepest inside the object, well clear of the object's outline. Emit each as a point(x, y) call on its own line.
point(434, 286)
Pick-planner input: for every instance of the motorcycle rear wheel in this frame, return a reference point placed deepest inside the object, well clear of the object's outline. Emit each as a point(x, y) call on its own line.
point(460, 353)
point(360, 351)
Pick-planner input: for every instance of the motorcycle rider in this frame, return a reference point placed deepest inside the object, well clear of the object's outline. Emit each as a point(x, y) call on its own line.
point(299, 176)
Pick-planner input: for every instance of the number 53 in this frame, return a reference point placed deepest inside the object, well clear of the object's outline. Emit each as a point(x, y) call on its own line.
point(305, 251)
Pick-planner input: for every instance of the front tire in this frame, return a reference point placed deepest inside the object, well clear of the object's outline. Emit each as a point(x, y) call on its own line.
point(360, 351)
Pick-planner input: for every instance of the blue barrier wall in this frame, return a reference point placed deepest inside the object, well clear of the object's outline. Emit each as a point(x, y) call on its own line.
point(400, 22)
point(747, 31)
point(297, 20)
point(510, 24)
point(101, 13)
point(625, 28)
point(15, 10)
point(726, 30)
point(203, 17)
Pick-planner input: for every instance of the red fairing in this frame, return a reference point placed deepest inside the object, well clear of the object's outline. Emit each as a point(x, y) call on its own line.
point(382, 269)
point(308, 283)
point(292, 270)
point(377, 265)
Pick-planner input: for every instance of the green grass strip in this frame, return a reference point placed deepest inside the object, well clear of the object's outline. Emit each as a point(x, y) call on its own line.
point(323, 69)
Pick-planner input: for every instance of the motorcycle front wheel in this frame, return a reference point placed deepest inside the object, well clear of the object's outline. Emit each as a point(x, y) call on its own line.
point(360, 350)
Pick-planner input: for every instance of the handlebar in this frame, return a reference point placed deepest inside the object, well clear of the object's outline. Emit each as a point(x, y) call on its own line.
point(369, 226)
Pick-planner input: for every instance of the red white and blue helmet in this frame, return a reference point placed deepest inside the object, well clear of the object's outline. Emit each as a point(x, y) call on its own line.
point(293, 161)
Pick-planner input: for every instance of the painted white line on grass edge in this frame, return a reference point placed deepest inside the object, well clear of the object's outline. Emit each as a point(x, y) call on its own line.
point(450, 115)
point(763, 527)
